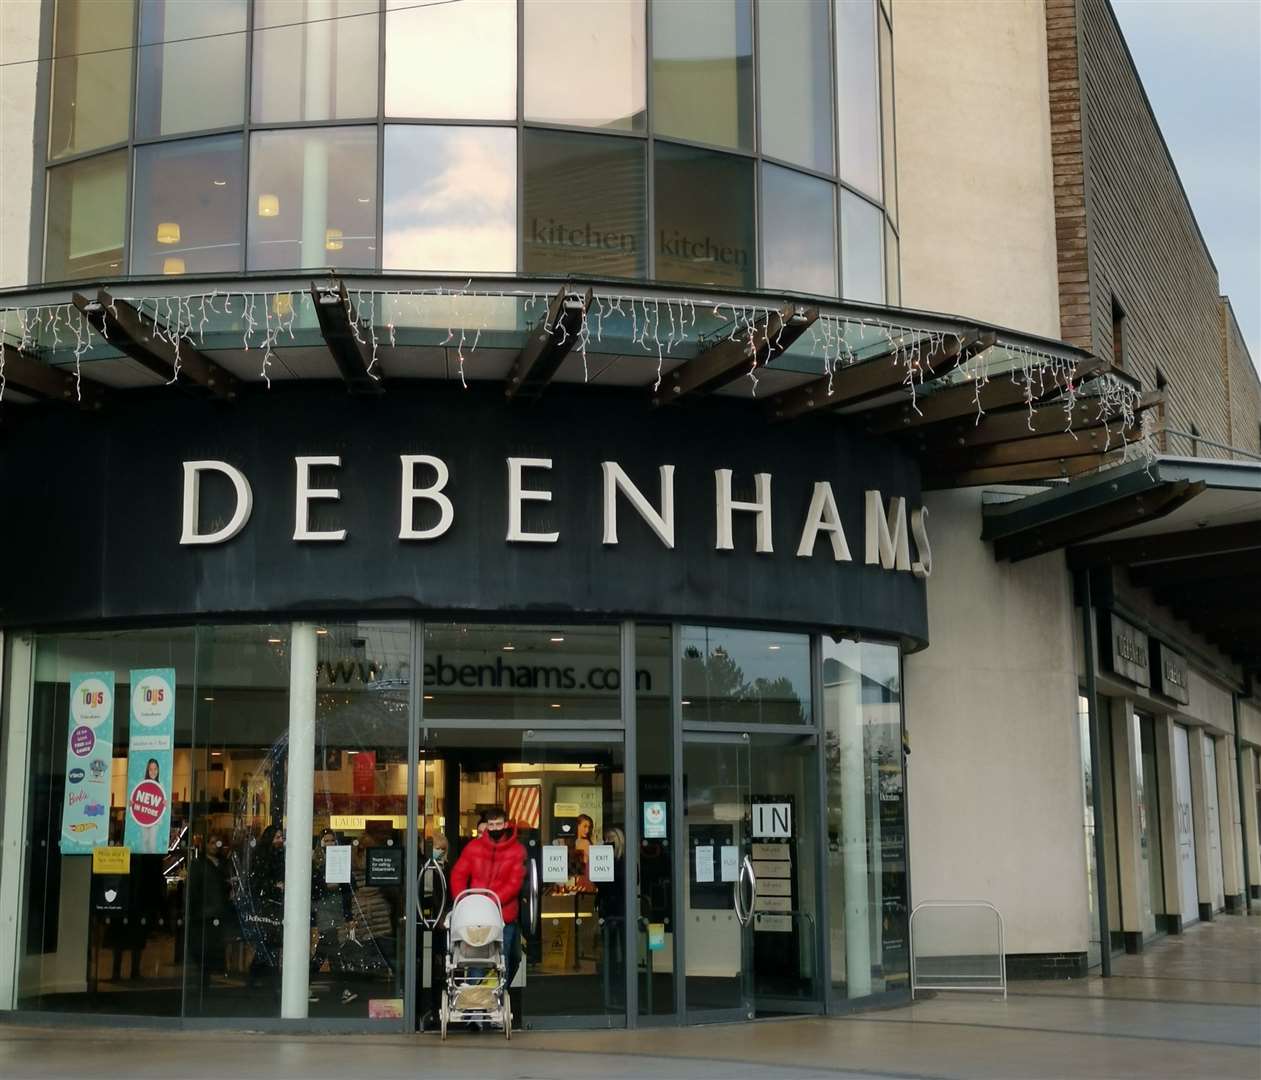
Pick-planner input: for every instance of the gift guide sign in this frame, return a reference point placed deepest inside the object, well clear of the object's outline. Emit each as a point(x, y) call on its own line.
point(149, 760)
point(89, 754)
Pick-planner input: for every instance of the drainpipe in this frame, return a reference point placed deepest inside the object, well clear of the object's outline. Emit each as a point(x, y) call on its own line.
point(1096, 756)
point(1243, 810)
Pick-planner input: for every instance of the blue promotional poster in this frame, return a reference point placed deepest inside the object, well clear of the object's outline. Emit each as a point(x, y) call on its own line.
point(89, 756)
point(149, 760)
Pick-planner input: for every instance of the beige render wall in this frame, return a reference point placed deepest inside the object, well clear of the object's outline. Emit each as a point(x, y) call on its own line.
point(974, 162)
point(19, 46)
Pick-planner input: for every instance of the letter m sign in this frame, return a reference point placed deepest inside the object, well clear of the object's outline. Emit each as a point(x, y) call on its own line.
point(772, 819)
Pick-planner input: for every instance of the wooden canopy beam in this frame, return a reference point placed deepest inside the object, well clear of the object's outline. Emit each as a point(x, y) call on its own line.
point(1160, 547)
point(1042, 448)
point(1147, 505)
point(33, 377)
point(962, 399)
point(134, 333)
point(548, 344)
point(874, 376)
point(352, 356)
point(1026, 472)
point(728, 358)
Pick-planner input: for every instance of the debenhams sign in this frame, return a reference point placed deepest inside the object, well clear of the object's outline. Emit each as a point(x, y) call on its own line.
point(889, 531)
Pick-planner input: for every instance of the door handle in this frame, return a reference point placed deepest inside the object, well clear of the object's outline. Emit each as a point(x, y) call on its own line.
point(745, 915)
point(431, 867)
point(534, 898)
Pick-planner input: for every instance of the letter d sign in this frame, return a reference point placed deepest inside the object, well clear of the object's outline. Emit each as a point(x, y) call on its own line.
point(192, 499)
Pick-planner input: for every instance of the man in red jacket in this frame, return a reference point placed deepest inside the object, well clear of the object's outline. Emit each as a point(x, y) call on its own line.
point(495, 861)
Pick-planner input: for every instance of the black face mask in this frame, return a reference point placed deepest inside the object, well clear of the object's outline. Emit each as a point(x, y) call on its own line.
point(496, 834)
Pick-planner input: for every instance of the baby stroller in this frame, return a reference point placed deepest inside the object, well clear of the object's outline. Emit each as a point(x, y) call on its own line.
point(477, 971)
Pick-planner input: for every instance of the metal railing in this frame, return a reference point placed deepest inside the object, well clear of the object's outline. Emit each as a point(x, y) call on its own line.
point(951, 951)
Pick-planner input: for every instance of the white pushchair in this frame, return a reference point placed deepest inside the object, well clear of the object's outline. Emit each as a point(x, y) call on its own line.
point(477, 970)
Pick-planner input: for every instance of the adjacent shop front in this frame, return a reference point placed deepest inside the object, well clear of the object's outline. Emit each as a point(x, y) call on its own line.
point(281, 659)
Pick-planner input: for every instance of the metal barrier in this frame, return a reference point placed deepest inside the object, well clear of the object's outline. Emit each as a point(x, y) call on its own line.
point(951, 950)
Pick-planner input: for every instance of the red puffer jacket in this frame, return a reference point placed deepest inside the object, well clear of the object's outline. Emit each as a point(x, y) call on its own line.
point(498, 866)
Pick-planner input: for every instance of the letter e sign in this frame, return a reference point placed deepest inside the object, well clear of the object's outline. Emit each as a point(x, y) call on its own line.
point(772, 819)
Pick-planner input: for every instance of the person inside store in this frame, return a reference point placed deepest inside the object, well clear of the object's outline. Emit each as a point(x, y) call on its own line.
point(332, 908)
point(495, 861)
point(260, 902)
point(211, 911)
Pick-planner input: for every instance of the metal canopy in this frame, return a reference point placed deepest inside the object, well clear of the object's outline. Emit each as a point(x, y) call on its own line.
point(1188, 529)
point(958, 393)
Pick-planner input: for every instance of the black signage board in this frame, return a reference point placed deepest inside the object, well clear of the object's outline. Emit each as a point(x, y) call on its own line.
point(111, 893)
point(383, 866)
point(101, 498)
point(1125, 649)
point(1169, 673)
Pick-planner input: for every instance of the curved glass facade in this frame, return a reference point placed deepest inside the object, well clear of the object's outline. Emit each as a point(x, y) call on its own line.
point(734, 143)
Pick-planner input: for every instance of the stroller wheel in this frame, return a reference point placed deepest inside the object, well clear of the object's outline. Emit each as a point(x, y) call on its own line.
point(506, 1015)
point(444, 1015)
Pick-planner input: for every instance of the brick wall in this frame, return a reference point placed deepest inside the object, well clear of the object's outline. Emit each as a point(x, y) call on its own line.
point(1125, 228)
point(1243, 384)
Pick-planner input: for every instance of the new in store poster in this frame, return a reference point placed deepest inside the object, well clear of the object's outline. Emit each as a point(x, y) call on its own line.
point(149, 760)
point(89, 756)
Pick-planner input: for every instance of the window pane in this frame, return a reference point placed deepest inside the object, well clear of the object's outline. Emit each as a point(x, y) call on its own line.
point(862, 238)
point(485, 671)
point(886, 97)
point(745, 676)
point(796, 82)
point(857, 75)
point(86, 218)
point(186, 217)
point(236, 869)
point(312, 198)
point(95, 942)
point(702, 71)
point(323, 68)
point(585, 204)
point(190, 85)
point(798, 232)
point(603, 54)
point(705, 217)
point(450, 198)
point(866, 816)
point(451, 61)
point(91, 94)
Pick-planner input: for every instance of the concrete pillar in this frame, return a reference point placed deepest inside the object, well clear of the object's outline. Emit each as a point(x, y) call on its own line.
point(1251, 779)
point(1132, 866)
point(299, 812)
point(1199, 824)
point(1162, 727)
point(1232, 839)
point(854, 848)
point(16, 747)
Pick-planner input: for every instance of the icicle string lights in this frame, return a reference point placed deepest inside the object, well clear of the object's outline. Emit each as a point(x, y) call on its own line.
point(836, 340)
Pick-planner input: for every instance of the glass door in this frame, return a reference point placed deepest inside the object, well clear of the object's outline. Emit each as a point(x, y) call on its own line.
point(720, 890)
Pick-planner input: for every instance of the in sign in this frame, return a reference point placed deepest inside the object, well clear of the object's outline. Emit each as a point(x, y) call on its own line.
point(772, 819)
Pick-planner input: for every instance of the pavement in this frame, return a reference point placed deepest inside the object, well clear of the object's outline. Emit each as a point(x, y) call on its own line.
point(1188, 1006)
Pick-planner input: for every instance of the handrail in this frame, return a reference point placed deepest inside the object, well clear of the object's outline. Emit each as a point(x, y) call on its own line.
point(941, 982)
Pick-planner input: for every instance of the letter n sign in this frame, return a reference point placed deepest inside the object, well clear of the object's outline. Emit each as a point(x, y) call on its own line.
point(772, 820)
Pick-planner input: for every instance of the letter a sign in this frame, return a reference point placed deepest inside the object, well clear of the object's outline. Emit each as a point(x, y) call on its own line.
point(772, 820)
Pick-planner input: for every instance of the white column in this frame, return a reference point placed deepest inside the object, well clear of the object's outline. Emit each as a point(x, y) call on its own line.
point(854, 838)
point(16, 774)
point(1126, 760)
point(1228, 802)
point(299, 797)
point(1251, 780)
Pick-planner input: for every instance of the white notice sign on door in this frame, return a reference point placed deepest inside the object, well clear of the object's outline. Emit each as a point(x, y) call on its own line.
point(600, 862)
point(337, 865)
point(704, 863)
point(555, 863)
point(729, 862)
point(772, 819)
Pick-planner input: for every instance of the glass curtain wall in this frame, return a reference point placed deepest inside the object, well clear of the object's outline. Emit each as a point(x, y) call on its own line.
point(331, 106)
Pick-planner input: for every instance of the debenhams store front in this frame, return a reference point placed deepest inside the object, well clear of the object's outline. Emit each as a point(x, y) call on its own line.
point(301, 578)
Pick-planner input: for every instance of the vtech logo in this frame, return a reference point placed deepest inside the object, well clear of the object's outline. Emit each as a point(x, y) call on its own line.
point(75, 776)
